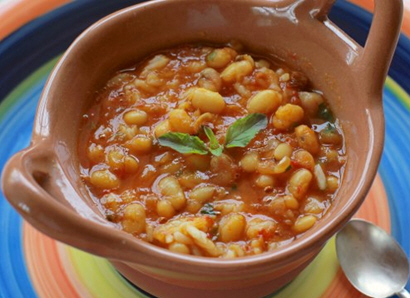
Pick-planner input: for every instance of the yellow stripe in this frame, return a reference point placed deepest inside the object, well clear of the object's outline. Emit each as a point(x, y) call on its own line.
point(316, 278)
point(99, 276)
point(399, 92)
point(101, 280)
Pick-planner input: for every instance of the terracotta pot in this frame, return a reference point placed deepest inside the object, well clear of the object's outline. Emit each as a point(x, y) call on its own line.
point(42, 182)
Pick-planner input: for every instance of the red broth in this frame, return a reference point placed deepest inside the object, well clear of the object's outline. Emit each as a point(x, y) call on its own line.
point(236, 201)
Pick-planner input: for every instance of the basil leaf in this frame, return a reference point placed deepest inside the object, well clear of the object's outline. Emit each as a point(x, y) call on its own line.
point(243, 130)
point(183, 143)
point(214, 146)
point(325, 113)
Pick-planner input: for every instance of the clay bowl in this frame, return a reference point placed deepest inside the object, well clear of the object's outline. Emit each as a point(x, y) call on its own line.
point(42, 182)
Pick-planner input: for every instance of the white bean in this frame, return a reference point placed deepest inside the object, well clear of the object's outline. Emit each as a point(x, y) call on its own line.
point(231, 227)
point(266, 102)
point(299, 183)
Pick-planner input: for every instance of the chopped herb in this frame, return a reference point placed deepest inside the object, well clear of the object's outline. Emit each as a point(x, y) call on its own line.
point(234, 186)
point(211, 56)
point(330, 128)
point(288, 168)
point(93, 125)
point(325, 113)
point(295, 124)
point(330, 135)
point(208, 209)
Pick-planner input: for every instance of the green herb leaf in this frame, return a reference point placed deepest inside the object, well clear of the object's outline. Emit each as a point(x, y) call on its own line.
point(211, 56)
point(183, 143)
point(325, 113)
point(208, 209)
point(93, 125)
point(214, 146)
point(243, 130)
point(330, 128)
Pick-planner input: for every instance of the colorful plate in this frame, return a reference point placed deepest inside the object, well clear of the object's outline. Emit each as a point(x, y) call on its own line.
point(33, 265)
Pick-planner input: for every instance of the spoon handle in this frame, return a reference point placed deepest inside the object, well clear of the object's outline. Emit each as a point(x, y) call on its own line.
point(403, 294)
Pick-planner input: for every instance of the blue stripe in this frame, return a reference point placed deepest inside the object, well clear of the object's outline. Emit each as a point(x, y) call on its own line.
point(15, 135)
point(21, 54)
point(39, 41)
point(356, 23)
point(394, 167)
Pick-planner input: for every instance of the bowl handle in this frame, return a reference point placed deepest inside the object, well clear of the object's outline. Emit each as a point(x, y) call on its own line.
point(375, 60)
point(29, 184)
point(317, 9)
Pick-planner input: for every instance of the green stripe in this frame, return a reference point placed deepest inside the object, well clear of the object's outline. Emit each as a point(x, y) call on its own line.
point(18, 93)
point(398, 92)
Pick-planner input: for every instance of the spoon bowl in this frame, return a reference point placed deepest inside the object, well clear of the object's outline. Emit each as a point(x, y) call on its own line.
point(44, 182)
point(372, 260)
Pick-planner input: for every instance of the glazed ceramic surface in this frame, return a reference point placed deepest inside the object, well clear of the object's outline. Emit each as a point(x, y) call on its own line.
point(45, 150)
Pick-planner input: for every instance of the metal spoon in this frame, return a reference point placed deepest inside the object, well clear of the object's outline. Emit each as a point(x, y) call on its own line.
point(372, 260)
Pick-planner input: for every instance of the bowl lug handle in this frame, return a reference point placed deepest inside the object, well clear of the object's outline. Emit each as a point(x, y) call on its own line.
point(374, 62)
point(31, 181)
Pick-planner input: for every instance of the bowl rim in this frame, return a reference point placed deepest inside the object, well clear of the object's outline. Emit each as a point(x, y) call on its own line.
point(305, 244)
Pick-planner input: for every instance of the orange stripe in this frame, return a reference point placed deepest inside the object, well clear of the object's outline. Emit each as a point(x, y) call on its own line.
point(71, 272)
point(376, 206)
point(23, 11)
point(44, 266)
point(369, 5)
point(15, 14)
point(341, 288)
